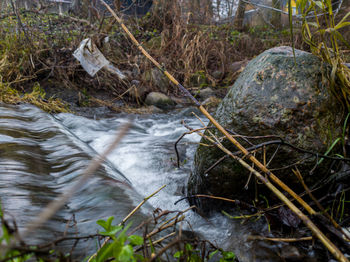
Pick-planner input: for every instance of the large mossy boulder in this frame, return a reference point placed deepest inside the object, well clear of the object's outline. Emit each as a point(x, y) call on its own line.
point(273, 96)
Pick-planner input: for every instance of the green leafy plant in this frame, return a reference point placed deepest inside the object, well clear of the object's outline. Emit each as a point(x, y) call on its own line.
point(190, 254)
point(322, 33)
point(5, 238)
point(338, 140)
point(120, 248)
point(225, 256)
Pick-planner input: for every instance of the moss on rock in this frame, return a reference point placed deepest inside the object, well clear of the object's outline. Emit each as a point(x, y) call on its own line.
point(273, 96)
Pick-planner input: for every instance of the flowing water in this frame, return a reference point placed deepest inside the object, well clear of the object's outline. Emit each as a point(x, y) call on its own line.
point(42, 155)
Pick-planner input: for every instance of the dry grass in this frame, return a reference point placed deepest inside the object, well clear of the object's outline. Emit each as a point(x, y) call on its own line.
point(197, 55)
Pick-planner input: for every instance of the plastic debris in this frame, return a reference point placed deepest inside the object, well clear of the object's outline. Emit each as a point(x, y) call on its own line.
point(92, 60)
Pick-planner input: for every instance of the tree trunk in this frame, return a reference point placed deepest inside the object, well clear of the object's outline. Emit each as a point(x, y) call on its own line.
point(76, 5)
point(276, 16)
point(239, 17)
point(208, 11)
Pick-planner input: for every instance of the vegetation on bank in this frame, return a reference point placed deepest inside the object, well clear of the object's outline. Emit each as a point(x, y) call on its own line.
point(36, 49)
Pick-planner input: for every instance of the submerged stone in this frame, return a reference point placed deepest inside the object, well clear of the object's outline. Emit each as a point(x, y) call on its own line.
point(159, 100)
point(273, 96)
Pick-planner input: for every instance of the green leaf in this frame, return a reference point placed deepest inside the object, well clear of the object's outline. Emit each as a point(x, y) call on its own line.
point(113, 230)
point(319, 4)
point(329, 7)
point(102, 223)
point(117, 248)
point(189, 247)
point(344, 19)
point(109, 221)
point(313, 24)
point(340, 25)
point(229, 255)
point(345, 124)
point(139, 257)
point(178, 254)
point(330, 149)
point(301, 5)
point(110, 230)
point(135, 240)
point(213, 253)
point(126, 253)
point(122, 236)
point(341, 38)
point(105, 224)
point(105, 252)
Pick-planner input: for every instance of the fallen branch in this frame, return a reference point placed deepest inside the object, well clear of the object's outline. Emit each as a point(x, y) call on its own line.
point(324, 211)
point(179, 139)
point(276, 239)
point(255, 147)
point(208, 196)
point(326, 242)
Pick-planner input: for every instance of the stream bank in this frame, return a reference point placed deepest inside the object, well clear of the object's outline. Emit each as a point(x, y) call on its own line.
point(37, 49)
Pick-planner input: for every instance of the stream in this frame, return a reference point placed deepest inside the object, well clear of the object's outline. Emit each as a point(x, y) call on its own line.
point(41, 155)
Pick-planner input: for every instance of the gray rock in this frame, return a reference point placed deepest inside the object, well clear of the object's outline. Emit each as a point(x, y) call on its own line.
point(135, 82)
point(159, 100)
point(218, 74)
point(272, 96)
point(206, 93)
point(237, 66)
point(160, 80)
point(155, 110)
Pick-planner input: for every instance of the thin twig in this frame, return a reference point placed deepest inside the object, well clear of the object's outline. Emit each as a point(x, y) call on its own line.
point(274, 142)
point(286, 240)
point(164, 249)
point(159, 229)
point(141, 204)
point(127, 217)
point(206, 196)
point(324, 211)
point(330, 246)
point(158, 240)
point(179, 139)
point(175, 217)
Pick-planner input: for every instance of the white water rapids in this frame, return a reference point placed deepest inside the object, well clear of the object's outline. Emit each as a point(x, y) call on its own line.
point(42, 155)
